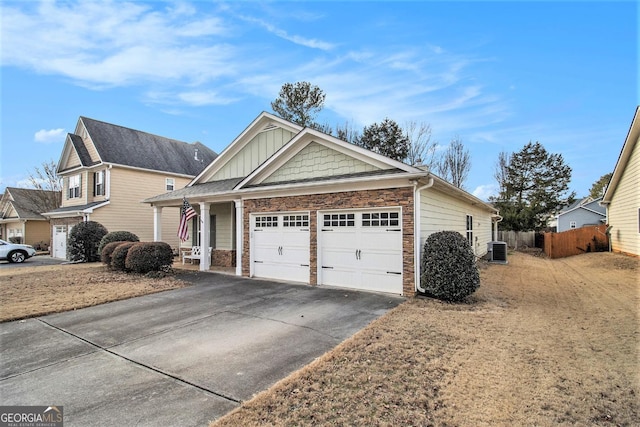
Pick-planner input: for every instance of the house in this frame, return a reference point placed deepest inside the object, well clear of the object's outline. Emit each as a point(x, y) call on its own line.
point(581, 213)
point(290, 203)
point(107, 170)
point(21, 220)
point(622, 196)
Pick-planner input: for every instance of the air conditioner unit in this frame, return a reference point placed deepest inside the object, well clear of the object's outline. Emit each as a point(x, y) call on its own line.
point(497, 251)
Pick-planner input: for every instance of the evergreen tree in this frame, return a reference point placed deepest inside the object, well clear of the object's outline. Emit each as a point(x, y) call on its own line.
point(536, 185)
point(299, 103)
point(600, 186)
point(386, 138)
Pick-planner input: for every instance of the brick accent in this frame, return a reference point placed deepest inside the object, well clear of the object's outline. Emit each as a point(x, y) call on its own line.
point(223, 258)
point(394, 197)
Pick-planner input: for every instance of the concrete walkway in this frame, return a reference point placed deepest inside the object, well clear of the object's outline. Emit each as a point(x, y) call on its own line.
point(182, 357)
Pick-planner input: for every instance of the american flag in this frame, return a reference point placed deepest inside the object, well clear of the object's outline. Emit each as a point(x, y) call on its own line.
point(186, 214)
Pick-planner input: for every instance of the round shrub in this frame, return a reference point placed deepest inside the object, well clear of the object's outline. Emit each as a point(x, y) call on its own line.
point(449, 270)
point(149, 256)
point(117, 236)
point(107, 252)
point(119, 255)
point(84, 239)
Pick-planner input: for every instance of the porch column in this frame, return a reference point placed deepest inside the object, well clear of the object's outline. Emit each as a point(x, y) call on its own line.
point(239, 238)
point(205, 240)
point(157, 224)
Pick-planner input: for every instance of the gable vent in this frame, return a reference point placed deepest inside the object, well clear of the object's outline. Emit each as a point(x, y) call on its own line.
point(269, 127)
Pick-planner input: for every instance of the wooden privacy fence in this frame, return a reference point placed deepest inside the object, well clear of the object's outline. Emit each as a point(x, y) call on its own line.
point(575, 242)
point(518, 239)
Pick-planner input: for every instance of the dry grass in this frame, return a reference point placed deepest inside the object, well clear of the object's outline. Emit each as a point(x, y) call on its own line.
point(543, 342)
point(35, 291)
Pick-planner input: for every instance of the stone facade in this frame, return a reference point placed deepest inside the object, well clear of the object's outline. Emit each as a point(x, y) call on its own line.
point(393, 197)
point(223, 258)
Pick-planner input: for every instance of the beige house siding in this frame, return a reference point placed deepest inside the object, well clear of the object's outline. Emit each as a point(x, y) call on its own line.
point(441, 212)
point(316, 161)
point(126, 212)
point(14, 229)
point(252, 155)
point(37, 232)
point(85, 197)
point(225, 231)
point(82, 132)
point(624, 210)
point(73, 161)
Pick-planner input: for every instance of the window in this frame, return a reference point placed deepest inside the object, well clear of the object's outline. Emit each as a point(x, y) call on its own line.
point(98, 184)
point(170, 184)
point(470, 230)
point(74, 187)
point(339, 220)
point(572, 224)
point(295, 220)
point(380, 219)
point(266, 221)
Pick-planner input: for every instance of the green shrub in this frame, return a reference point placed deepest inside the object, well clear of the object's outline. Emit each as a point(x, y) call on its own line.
point(107, 252)
point(119, 255)
point(117, 236)
point(149, 256)
point(449, 270)
point(84, 239)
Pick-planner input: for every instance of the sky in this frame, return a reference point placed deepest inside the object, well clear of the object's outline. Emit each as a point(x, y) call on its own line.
point(495, 75)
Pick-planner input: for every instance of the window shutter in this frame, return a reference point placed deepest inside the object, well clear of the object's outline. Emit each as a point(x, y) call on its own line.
point(95, 182)
point(79, 185)
point(66, 183)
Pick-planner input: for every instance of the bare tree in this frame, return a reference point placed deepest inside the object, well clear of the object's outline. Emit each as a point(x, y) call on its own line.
point(501, 171)
point(422, 151)
point(455, 163)
point(347, 132)
point(45, 179)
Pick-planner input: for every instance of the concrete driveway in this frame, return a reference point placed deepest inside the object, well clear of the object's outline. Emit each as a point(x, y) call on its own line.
point(182, 357)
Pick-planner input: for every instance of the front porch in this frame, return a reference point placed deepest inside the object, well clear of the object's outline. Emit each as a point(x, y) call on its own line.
point(195, 266)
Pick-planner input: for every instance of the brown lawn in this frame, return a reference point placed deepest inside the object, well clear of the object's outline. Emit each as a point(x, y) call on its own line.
point(35, 291)
point(543, 342)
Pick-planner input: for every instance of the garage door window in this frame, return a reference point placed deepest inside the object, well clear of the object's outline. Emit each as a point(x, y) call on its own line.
point(295, 221)
point(266, 221)
point(380, 219)
point(339, 220)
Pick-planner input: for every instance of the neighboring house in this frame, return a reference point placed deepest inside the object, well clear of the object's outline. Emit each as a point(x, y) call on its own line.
point(622, 197)
point(107, 170)
point(21, 220)
point(581, 213)
point(290, 203)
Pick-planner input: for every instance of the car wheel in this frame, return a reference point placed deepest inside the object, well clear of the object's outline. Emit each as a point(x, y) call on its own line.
point(17, 257)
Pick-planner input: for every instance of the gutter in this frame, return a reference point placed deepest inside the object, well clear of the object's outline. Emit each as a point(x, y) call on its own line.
point(416, 230)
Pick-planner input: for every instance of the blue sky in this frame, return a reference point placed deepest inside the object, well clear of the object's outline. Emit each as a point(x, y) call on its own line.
point(495, 74)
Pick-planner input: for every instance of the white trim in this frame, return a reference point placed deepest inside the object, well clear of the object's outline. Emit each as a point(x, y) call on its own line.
point(625, 154)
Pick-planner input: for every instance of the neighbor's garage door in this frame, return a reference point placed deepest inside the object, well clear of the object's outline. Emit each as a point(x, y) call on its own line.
point(280, 246)
point(361, 249)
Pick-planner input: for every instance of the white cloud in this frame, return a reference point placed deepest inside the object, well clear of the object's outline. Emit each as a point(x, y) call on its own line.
point(49, 136)
point(484, 191)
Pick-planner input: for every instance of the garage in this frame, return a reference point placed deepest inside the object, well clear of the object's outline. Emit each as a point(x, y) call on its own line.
point(280, 246)
point(361, 249)
point(59, 246)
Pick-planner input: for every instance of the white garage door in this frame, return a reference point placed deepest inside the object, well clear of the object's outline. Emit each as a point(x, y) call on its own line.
point(280, 246)
point(59, 246)
point(361, 250)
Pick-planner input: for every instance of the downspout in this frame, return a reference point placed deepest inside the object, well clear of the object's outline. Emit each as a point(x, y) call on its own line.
point(416, 231)
point(498, 219)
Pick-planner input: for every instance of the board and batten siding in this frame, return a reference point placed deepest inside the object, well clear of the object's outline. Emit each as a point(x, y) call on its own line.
point(441, 212)
point(317, 161)
point(253, 154)
point(125, 212)
point(624, 210)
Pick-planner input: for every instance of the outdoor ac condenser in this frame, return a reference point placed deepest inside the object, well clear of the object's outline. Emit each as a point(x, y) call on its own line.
point(497, 251)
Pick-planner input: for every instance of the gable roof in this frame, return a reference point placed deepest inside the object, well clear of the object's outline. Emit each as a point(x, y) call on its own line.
point(264, 121)
point(119, 145)
point(623, 159)
point(588, 204)
point(25, 202)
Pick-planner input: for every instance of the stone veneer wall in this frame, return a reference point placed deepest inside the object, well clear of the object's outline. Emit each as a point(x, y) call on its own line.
point(223, 258)
point(402, 197)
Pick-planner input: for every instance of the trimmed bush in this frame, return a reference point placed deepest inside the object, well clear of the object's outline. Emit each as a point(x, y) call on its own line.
point(117, 236)
point(107, 251)
point(119, 255)
point(84, 239)
point(149, 256)
point(449, 270)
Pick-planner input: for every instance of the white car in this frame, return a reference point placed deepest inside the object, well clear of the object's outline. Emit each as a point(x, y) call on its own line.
point(13, 252)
